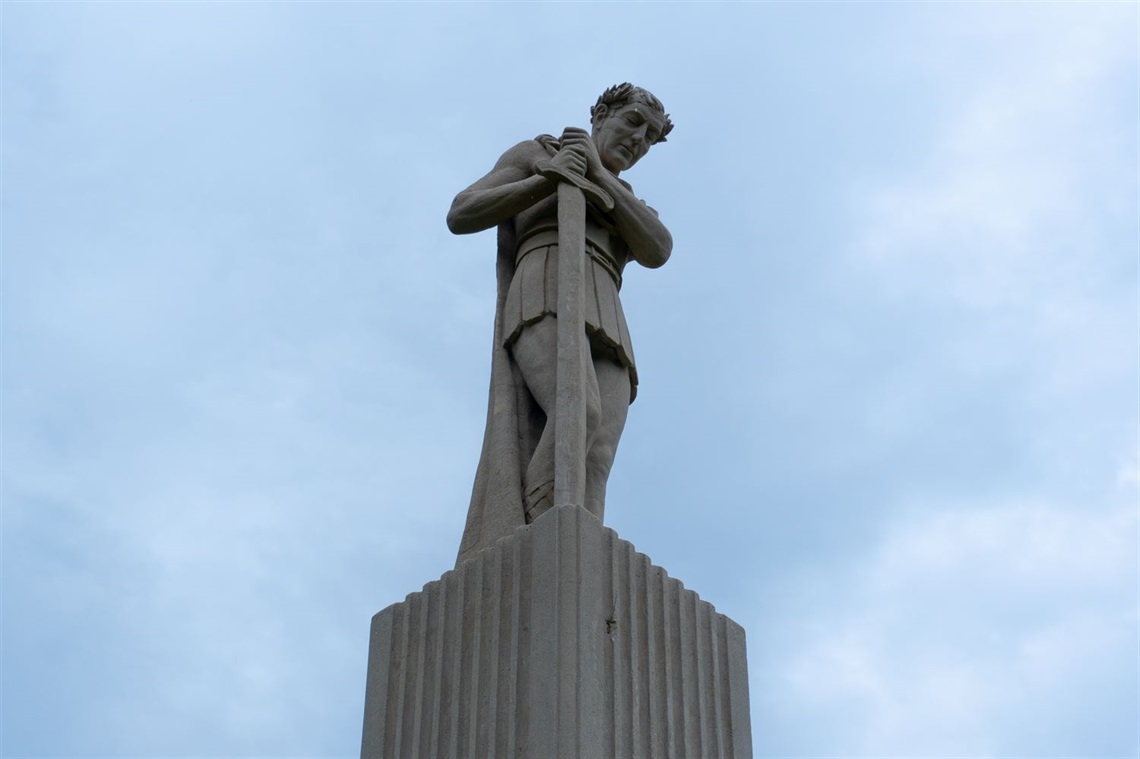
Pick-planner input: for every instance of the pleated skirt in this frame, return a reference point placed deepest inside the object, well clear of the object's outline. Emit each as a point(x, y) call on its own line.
point(533, 295)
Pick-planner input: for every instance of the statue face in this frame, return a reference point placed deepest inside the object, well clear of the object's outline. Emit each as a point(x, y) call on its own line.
point(625, 135)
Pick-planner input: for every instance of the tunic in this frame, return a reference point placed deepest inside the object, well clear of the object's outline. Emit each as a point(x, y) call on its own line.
point(533, 295)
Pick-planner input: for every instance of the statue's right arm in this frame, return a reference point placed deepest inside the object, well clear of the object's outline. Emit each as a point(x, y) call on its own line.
point(512, 186)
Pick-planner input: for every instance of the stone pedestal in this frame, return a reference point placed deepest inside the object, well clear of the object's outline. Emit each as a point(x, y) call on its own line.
point(559, 641)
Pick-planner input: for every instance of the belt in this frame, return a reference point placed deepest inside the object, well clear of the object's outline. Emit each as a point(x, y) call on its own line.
point(544, 238)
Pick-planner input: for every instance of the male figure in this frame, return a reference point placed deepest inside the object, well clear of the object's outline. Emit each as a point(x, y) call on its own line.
point(515, 481)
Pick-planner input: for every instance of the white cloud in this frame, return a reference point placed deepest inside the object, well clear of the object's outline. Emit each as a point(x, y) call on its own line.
point(1013, 247)
point(235, 424)
point(965, 623)
point(1004, 210)
point(1128, 476)
point(1025, 544)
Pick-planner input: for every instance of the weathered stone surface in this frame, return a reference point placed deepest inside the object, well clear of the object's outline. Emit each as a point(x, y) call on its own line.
point(560, 640)
point(568, 225)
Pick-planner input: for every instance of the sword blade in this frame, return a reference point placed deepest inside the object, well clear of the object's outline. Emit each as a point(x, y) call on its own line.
point(573, 352)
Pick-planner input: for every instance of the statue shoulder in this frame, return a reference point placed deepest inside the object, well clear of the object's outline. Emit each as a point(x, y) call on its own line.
point(524, 155)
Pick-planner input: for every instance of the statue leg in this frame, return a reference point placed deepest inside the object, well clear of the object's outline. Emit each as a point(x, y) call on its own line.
point(534, 352)
point(612, 381)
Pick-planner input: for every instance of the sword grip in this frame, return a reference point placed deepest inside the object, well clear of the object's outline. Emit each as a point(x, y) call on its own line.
point(596, 195)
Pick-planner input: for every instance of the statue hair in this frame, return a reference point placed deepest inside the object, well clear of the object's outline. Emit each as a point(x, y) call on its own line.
point(625, 93)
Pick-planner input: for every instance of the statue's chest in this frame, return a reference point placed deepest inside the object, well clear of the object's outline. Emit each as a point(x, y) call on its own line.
point(600, 229)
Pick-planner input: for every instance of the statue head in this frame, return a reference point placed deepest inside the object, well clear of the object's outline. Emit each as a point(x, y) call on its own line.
point(627, 121)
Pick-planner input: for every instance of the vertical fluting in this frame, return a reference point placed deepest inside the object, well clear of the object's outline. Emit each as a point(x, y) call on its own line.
point(397, 680)
point(381, 647)
point(559, 641)
point(452, 665)
point(592, 577)
point(675, 720)
point(723, 710)
point(477, 664)
point(739, 718)
point(508, 652)
point(526, 633)
point(705, 674)
point(620, 648)
point(487, 720)
point(658, 682)
point(538, 696)
point(426, 733)
point(469, 665)
point(414, 684)
point(567, 549)
point(429, 634)
point(639, 650)
point(690, 702)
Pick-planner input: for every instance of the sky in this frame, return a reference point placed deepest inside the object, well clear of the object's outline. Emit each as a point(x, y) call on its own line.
point(890, 378)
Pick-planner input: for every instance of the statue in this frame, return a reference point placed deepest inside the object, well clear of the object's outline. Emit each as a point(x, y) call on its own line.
point(535, 196)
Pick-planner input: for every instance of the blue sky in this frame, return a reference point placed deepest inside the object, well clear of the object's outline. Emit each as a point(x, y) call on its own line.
point(889, 400)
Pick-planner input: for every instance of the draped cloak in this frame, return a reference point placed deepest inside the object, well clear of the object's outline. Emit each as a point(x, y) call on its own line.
point(514, 421)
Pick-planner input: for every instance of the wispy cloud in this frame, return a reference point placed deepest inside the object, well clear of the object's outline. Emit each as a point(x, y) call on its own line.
point(245, 363)
point(964, 624)
point(1011, 206)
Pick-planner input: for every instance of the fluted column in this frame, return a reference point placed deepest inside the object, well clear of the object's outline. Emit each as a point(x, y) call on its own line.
point(559, 641)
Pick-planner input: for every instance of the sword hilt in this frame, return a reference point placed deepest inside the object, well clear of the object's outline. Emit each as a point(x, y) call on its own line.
point(595, 194)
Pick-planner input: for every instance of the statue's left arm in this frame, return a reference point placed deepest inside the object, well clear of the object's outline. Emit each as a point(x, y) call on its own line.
point(648, 239)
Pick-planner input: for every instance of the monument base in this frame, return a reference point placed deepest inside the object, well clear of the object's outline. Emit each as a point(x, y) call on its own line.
point(559, 641)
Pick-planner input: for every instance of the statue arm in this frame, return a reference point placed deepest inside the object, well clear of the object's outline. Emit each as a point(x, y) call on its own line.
point(648, 239)
point(512, 186)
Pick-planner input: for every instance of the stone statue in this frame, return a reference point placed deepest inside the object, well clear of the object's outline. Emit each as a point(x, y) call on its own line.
point(529, 195)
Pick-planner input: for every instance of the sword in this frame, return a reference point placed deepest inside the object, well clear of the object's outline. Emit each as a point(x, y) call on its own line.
point(573, 350)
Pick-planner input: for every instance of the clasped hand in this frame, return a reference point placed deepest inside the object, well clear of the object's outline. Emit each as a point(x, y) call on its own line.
point(577, 153)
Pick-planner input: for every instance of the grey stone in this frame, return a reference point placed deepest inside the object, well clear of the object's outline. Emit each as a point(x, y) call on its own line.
point(560, 640)
point(567, 227)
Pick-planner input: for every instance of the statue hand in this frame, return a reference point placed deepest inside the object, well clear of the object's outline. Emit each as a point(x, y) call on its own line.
point(571, 164)
point(570, 158)
point(581, 141)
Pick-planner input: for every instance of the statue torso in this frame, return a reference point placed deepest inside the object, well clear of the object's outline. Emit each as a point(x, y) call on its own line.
point(541, 220)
